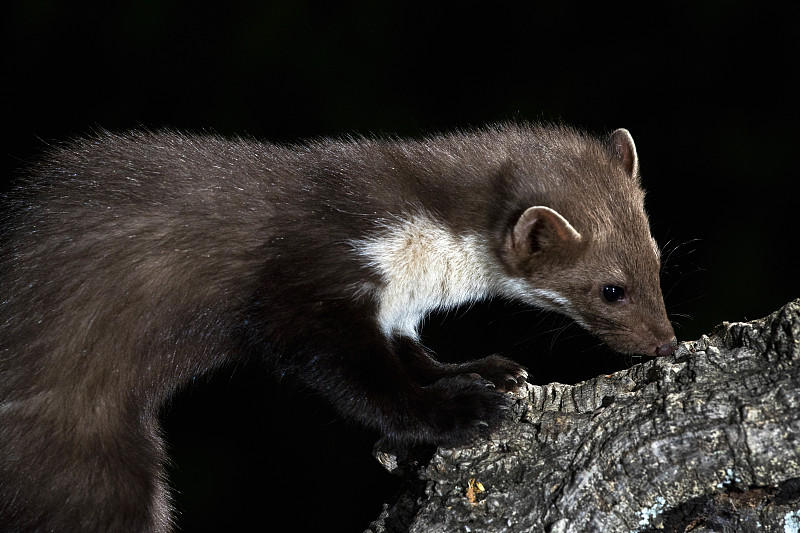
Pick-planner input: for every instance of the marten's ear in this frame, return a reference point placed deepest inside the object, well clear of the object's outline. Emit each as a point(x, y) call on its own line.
point(539, 229)
point(622, 146)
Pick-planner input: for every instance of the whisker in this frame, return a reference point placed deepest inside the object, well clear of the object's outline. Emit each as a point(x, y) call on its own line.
point(670, 252)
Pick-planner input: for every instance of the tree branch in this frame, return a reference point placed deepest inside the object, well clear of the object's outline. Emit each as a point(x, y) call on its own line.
point(707, 439)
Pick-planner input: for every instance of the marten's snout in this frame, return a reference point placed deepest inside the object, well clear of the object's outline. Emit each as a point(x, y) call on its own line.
point(668, 348)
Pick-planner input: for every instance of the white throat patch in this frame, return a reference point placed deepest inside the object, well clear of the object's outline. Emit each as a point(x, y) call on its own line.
point(425, 267)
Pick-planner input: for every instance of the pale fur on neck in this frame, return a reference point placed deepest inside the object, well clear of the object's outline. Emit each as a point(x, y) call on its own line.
point(426, 267)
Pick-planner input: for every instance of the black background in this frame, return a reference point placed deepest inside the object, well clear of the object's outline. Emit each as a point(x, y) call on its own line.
point(708, 90)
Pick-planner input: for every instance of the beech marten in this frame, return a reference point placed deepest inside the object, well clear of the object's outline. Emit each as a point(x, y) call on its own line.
point(130, 264)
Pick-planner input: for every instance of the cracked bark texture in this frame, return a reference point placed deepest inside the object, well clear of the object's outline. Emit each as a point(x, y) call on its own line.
point(705, 440)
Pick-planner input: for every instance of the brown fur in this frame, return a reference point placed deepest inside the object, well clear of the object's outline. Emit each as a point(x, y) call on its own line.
point(133, 263)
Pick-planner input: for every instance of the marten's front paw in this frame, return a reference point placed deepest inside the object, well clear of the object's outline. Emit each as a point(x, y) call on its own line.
point(464, 407)
point(505, 374)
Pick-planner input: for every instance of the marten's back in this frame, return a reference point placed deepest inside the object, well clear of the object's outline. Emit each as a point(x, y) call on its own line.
point(113, 246)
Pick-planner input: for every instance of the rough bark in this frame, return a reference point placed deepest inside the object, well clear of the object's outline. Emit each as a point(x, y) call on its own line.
point(705, 440)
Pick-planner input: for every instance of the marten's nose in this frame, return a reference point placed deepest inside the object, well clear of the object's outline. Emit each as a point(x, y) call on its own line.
point(668, 348)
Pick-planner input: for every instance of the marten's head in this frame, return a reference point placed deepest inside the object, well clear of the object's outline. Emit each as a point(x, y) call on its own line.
point(589, 253)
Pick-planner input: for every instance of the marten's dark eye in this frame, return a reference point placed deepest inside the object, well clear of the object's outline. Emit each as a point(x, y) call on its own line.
point(613, 293)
